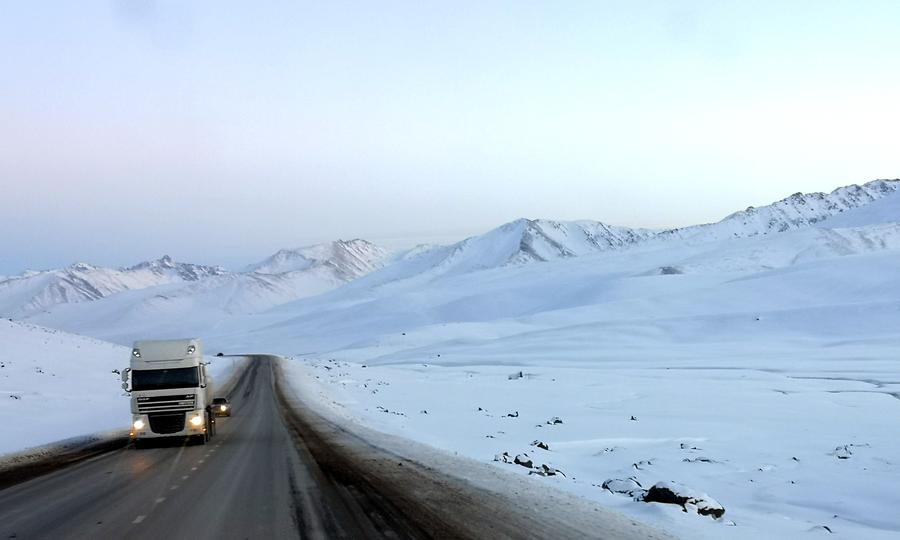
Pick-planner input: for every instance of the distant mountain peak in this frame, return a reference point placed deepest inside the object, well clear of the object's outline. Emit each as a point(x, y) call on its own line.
point(348, 258)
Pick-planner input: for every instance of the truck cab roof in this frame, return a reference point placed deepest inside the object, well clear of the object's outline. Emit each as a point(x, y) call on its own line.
point(169, 350)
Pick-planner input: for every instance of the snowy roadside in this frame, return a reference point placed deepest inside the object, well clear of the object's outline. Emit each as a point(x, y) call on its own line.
point(61, 392)
point(753, 439)
point(483, 485)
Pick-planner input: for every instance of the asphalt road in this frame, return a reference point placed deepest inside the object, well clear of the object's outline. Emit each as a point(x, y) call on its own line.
point(269, 472)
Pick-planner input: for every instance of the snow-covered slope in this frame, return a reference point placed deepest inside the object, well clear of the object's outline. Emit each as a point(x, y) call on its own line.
point(199, 306)
point(526, 241)
point(798, 211)
point(164, 284)
point(348, 259)
point(82, 282)
point(55, 385)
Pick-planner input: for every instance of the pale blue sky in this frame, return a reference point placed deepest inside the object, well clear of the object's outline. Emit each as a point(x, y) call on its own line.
point(221, 131)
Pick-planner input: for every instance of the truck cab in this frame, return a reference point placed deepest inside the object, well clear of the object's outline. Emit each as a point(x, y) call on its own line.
point(170, 391)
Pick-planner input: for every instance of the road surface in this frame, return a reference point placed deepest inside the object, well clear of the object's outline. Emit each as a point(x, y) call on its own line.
point(268, 473)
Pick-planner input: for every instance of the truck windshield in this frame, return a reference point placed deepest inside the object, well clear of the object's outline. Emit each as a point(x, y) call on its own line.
point(156, 379)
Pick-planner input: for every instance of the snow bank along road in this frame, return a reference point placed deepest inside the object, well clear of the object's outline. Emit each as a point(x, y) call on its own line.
point(275, 472)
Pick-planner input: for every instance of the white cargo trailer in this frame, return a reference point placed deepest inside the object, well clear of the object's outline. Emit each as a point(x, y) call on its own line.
point(171, 391)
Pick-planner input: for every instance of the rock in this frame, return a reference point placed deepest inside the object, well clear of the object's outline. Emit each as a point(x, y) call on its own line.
point(524, 460)
point(540, 444)
point(503, 458)
point(842, 452)
point(516, 375)
point(555, 420)
point(546, 470)
point(513, 414)
point(629, 486)
point(699, 460)
point(633, 419)
point(672, 493)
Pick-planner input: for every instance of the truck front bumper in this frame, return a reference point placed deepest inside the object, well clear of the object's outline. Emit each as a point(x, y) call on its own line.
point(181, 424)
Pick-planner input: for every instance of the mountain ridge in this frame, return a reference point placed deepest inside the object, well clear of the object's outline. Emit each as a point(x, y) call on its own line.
point(290, 274)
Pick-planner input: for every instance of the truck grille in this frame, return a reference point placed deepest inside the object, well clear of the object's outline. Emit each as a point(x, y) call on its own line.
point(166, 422)
point(181, 402)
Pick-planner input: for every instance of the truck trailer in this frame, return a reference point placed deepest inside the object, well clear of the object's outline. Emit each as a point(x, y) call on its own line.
point(171, 392)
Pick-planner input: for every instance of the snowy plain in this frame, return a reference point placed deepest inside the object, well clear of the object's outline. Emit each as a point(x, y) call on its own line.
point(756, 360)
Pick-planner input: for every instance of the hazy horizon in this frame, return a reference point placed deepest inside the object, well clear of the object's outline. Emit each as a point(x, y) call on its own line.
point(219, 132)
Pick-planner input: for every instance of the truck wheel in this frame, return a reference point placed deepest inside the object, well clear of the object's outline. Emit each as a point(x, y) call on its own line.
point(140, 443)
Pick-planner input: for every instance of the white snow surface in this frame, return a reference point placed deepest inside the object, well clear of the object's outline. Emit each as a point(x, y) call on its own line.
point(758, 356)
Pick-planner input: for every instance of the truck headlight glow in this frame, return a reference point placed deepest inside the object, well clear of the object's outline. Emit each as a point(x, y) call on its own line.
point(136, 353)
point(138, 424)
point(222, 407)
point(196, 420)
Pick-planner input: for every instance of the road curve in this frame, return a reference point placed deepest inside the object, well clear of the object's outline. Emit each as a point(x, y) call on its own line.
point(268, 473)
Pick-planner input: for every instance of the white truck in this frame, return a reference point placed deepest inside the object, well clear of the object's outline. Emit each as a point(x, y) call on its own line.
point(171, 392)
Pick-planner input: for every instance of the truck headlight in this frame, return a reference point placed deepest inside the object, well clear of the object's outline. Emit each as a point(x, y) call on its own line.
point(222, 407)
point(138, 424)
point(197, 420)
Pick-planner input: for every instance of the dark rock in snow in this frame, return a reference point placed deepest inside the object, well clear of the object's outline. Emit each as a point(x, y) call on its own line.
point(546, 470)
point(633, 419)
point(503, 458)
point(513, 415)
point(516, 375)
point(843, 452)
point(540, 444)
point(699, 460)
point(672, 493)
point(628, 486)
point(555, 420)
point(524, 460)
point(669, 271)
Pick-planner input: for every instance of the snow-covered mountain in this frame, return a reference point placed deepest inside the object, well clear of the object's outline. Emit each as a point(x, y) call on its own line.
point(849, 220)
point(163, 297)
point(798, 211)
point(82, 282)
point(526, 241)
point(285, 276)
point(348, 259)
